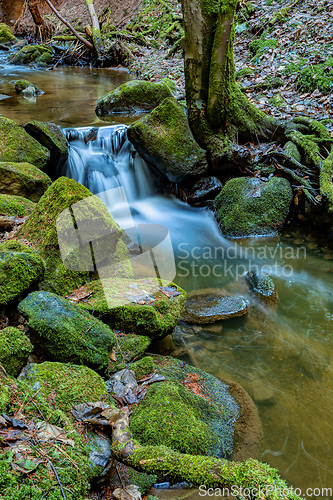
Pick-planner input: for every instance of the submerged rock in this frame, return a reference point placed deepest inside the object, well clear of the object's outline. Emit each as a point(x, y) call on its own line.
point(15, 348)
point(16, 206)
point(39, 54)
point(23, 179)
point(18, 146)
point(135, 96)
point(20, 269)
point(165, 140)
point(68, 333)
point(94, 220)
point(191, 412)
point(6, 34)
point(50, 136)
point(247, 206)
point(262, 285)
point(210, 308)
point(22, 85)
point(142, 306)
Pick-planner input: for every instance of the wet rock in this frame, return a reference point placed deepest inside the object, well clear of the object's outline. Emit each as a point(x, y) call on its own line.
point(6, 224)
point(211, 308)
point(15, 348)
point(165, 140)
point(24, 85)
point(247, 206)
point(205, 189)
point(23, 179)
point(18, 146)
point(100, 452)
point(262, 394)
point(135, 96)
point(20, 269)
point(67, 333)
point(130, 492)
point(50, 136)
point(262, 285)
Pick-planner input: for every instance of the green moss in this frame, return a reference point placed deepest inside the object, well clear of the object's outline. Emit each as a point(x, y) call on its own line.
point(259, 46)
point(156, 320)
point(317, 76)
point(172, 416)
point(23, 84)
point(15, 347)
point(68, 333)
point(41, 230)
point(164, 139)
point(291, 150)
point(17, 146)
point(249, 207)
point(134, 96)
point(51, 137)
point(15, 206)
point(20, 269)
point(23, 179)
point(308, 146)
point(143, 367)
point(244, 72)
point(325, 180)
point(128, 347)
point(143, 481)
point(39, 54)
point(67, 384)
point(6, 34)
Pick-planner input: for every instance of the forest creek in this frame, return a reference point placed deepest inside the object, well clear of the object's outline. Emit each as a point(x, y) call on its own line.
point(166, 249)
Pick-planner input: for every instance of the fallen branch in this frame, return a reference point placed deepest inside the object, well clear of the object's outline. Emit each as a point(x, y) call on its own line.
point(73, 30)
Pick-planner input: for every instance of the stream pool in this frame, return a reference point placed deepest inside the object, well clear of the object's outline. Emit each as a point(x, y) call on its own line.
point(282, 356)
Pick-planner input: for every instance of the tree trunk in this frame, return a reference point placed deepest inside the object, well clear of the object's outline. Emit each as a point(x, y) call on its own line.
point(43, 28)
point(218, 110)
point(96, 32)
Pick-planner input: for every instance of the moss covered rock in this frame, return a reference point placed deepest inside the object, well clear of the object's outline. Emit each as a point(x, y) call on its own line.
point(69, 384)
point(141, 306)
point(262, 285)
point(38, 54)
point(247, 206)
point(15, 348)
point(16, 206)
point(191, 412)
point(135, 96)
point(6, 34)
point(165, 140)
point(21, 85)
point(23, 179)
point(21, 268)
point(67, 333)
point(128, 347)
point(143, 367)
point(18, 146)
point(49, 135)
point(93, 219)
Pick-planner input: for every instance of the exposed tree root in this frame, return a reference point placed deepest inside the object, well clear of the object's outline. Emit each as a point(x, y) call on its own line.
point(325, 179)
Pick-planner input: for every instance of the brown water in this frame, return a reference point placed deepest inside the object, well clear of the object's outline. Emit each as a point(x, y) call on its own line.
point(286, 352)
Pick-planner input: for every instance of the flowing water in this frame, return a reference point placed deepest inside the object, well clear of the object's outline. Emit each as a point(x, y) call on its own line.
point(281, 356)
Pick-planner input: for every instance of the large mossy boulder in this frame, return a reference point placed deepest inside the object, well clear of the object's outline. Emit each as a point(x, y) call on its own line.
point(21, 268)
point(6, 34)
point(190, 412)
point(15, 206)
point(49, 135)
point(93, 219)
point(141, 306)
point(16, 145)
point(67, 333)
point(15, 348)
point(68, 384)
point(247, 206)
point(38, 54)
point(165, 140)
point(135, 96)
point(23, 179)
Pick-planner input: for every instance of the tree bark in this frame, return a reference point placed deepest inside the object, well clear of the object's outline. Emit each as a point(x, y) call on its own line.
point(96, 32)
point(43, 28)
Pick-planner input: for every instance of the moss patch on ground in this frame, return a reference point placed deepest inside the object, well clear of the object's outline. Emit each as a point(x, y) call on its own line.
point(165, 140)
point(249, 207)
point(15, 348)
point(15, 206)
point(316, 76)
point(17, 146)
point(67, 333)
point(119, 299)
point(23, 179)
point(20, 269)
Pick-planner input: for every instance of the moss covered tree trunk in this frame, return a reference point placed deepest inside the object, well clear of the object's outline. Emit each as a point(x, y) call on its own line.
point(96, 32)
point(217, 108)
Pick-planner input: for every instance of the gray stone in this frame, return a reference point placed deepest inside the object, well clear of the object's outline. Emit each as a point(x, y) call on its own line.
point(211, 308)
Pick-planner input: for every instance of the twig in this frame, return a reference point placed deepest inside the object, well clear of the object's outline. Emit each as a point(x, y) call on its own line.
point(54, 470)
